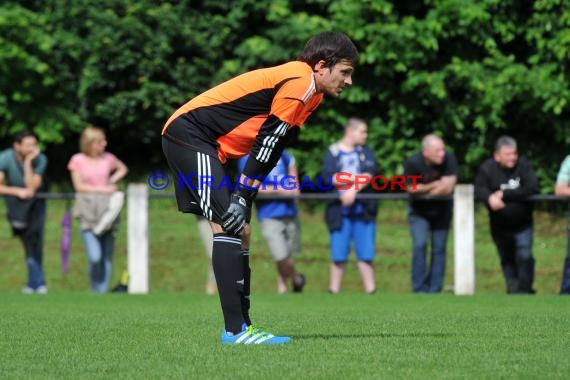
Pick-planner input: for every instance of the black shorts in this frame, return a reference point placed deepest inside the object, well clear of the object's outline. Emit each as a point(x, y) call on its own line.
point(202, 185)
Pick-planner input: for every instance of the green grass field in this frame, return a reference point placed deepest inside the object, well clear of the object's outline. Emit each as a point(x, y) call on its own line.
point(174, 331)
point(349, 336)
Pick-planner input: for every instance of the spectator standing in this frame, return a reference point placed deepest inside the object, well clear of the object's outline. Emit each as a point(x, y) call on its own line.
point(22, 169)
point(429, 219)
point(95, 174)
point(350, 219)
point(505, 182)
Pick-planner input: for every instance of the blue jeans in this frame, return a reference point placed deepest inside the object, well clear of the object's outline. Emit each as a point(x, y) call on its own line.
point(33, 242)
point(424, 280)
point(565, 284)
point(517, 262)
point(99, 255)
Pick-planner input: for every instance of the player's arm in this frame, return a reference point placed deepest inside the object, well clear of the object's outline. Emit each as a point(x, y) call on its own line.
point(562, 189)
point(285, 117)
point(485, 191)
point(20, 192)
point(32, 180)
point(267, 148)
point(448, 180)
point(120, 172)
point(420, 188)
point(528, 184)
point(412, 186)
point(444, 186)
point(269, 144)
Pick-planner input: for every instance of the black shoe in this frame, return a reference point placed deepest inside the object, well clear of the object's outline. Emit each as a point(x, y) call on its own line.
point(298, 288)
point(120, 288)
point(526, 291)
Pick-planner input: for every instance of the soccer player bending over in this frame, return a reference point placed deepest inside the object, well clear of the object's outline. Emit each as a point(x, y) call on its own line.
point(254, 113)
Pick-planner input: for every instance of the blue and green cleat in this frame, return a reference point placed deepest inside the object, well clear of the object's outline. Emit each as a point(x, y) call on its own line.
point(253, 335)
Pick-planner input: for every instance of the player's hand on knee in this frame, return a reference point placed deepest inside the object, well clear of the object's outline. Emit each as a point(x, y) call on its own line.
point(239, 212)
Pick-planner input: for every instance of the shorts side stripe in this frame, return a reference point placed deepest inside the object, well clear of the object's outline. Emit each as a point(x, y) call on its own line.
point(208, 187)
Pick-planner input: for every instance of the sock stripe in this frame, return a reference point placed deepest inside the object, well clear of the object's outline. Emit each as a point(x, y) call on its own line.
point(227, 239)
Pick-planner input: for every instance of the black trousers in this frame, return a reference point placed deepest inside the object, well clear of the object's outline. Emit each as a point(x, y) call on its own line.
point(517, 262)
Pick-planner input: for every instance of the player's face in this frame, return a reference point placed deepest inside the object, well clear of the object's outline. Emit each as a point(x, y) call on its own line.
point(332, 80)
point(27, 146)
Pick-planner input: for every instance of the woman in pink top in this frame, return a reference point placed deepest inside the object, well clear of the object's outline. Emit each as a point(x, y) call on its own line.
point(95, 173)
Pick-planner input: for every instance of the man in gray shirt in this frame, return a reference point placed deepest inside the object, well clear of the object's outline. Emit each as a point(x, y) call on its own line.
point(21, 176)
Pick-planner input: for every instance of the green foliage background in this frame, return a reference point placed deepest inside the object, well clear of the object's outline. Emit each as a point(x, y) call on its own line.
point(470, 70)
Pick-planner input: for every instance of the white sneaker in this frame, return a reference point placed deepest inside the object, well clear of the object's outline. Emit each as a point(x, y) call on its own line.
point(27, 290)
point(42, 289)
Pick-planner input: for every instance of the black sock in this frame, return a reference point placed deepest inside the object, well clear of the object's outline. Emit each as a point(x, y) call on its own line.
point(245, 304)
point(228, 268)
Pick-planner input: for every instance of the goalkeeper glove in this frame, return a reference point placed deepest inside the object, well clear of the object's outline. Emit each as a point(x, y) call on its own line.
point(239, 212)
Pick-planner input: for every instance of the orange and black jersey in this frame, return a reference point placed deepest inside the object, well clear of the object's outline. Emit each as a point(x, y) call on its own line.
point(250, 114)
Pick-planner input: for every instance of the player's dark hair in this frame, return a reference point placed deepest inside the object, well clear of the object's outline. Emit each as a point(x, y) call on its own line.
point(18, 137)
point(331, 47)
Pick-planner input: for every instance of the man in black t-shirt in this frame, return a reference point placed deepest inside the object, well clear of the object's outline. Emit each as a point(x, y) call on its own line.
point(438, 171)
point(504, 183)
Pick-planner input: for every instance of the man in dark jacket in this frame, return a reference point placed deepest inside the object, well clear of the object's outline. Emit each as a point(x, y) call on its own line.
point(430, 217)
point(504, 183)
point(350, 219)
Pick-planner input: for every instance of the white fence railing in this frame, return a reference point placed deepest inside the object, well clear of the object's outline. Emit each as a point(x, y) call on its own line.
point(463, 227)
point(463, 230)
